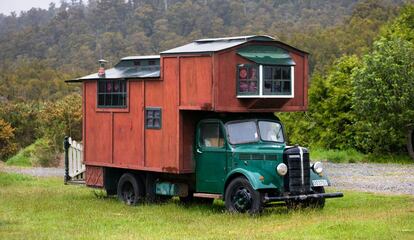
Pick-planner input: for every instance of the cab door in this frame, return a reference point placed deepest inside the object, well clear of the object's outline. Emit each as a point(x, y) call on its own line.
point(211, 159)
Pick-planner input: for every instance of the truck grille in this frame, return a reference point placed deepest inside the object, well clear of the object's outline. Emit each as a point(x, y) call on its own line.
point(297, 180)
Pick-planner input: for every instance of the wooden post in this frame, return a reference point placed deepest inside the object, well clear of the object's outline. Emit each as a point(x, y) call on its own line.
point(66, 145)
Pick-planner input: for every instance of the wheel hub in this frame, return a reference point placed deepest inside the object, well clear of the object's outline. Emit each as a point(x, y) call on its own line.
point(128, 194)
point(242, 200)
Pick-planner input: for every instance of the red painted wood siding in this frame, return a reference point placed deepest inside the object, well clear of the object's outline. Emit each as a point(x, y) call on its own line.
point(161, 145)
point(196, 81)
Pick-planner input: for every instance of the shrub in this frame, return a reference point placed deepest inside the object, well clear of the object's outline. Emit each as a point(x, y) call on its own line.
point(7, 144)
point(60, 119)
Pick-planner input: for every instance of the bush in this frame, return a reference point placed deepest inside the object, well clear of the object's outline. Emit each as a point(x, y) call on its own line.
point(7, 144)
point(23, 118)
point(60, 119)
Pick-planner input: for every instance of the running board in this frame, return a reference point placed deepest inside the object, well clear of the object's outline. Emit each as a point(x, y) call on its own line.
point(208, 195)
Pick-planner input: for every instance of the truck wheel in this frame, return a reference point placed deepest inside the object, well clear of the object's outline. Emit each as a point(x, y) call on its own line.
point(320, 202)
point(130, 189)
point(240, 197)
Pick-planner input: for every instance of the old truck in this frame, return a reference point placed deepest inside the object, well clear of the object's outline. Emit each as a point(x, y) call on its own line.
point(198, 122)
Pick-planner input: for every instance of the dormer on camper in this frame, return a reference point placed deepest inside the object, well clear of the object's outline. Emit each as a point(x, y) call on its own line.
point(240, 74)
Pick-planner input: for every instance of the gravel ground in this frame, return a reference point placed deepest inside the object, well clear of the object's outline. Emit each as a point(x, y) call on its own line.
point(34, 171)
point(371, 177)
point(367, 177)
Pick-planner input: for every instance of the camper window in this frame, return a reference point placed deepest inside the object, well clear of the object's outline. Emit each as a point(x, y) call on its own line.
point(153, 118)
point(112, 94)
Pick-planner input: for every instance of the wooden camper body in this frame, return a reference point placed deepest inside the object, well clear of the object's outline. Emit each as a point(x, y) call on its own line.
point(193, 79)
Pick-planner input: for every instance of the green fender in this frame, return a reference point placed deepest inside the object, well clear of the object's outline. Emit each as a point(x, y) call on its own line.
point(253, 175)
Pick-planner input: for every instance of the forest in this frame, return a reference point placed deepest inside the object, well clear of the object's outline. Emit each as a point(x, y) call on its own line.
point(361, 94)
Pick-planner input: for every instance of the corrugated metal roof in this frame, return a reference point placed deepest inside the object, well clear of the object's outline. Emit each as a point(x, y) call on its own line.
point(127, 69)
point(126, 72)
point(215, 44)
point(141, 57)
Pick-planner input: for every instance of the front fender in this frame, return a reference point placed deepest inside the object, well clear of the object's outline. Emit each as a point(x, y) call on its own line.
point(253, 175)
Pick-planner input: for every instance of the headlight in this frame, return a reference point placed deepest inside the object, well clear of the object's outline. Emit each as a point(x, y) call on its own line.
point(281, 169)
point(317, 167)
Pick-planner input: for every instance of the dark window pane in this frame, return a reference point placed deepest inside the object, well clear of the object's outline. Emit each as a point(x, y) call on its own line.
point(150, 123)
point(286, 73)
point(101, 86)
point(278, 74)
point(101, 100)
point(116, 86)
point(150, 113)
point(156, 123)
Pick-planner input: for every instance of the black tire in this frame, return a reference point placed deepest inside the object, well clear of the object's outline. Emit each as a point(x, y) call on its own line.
point(317, 203)
point(240, 197)
point(130, 189)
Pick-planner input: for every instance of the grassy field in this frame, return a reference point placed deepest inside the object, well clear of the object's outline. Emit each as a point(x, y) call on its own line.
point(33, 208)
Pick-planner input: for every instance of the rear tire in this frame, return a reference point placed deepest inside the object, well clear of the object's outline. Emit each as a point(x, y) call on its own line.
point(130, 189)
point(240, 197)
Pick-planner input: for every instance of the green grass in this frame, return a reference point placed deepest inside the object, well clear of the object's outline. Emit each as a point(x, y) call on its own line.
point(353, 156)
point(25, 157)
point(34, 208)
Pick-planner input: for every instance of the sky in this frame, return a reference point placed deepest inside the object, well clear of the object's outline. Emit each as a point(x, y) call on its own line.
point(8, 6)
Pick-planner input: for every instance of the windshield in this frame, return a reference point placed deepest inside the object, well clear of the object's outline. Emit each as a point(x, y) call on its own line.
point(242, 132)
point(248, 131)
point(271, 131)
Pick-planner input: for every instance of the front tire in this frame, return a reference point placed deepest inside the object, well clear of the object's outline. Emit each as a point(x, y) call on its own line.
point(130, 189)
point(320, 202)
point(240, 197)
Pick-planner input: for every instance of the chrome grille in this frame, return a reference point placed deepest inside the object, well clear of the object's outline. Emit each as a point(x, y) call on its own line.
point(297, 180)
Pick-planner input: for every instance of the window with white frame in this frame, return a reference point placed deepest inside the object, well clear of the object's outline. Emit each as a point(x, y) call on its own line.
point(265, 81)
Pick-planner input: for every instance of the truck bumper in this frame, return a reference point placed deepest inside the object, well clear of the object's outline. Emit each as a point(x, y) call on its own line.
point(303, 197)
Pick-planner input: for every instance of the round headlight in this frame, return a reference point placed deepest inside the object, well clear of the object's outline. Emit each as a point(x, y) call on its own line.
point(317, 167)
point(281, 169)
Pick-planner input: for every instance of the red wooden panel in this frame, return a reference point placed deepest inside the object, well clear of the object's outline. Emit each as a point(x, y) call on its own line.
point(196, 81)
point(161, 145)
point(98, 129)
point(94, 176)
point(128, 140)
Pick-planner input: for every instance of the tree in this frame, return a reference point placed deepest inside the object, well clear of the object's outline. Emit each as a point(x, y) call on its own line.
point(384, 96)
point(329, 122)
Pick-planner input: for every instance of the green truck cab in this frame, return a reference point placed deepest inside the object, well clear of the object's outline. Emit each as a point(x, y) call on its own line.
point(247, 163)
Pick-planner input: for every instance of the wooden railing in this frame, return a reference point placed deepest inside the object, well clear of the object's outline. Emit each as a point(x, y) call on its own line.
point(74, 166)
